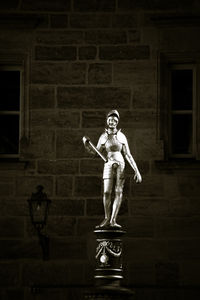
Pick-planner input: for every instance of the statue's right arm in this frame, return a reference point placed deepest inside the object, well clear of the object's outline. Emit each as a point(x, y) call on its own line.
point(101, 142)
point(86, 143)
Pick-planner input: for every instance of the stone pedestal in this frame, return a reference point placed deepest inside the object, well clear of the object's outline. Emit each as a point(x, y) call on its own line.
point(108, 271)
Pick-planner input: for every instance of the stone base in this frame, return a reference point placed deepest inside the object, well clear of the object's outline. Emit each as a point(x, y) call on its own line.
point(108, 271)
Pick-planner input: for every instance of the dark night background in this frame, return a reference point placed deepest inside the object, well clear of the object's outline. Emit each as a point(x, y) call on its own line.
point(80, 59)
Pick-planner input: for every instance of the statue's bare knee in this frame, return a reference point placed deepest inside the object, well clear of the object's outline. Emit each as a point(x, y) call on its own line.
point(118, 192)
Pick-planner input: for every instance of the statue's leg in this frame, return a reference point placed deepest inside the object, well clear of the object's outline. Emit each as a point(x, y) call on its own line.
point(117, 201)
point(108, 182)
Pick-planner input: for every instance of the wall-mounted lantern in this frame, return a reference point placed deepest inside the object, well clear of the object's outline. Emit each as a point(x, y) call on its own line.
point(39, 208)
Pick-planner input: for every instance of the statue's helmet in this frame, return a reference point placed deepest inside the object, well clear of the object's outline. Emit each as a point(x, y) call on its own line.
point(113, 113)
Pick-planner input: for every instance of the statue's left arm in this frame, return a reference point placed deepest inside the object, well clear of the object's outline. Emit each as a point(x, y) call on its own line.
point(129, 157)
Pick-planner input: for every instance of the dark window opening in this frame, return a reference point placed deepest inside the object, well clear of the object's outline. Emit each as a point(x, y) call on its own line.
point(10, 90)
point(9, 112)
point(181, 134)
point(181, 89)
point(9, 134)
point(181, 112)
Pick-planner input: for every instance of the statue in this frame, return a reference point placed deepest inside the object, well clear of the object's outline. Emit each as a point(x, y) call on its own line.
point(114, 144)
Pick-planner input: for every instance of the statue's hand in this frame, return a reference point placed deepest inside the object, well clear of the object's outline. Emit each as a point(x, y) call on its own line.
point(138, 177)
point(85, 139)
point(86, 142)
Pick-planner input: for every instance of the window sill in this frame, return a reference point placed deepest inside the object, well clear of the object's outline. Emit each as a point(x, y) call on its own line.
point(178, 164)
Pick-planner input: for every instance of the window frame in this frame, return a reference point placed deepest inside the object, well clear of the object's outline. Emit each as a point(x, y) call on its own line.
point(180, 60)
point(14, 112)
point(183, 112)
point(20, 62)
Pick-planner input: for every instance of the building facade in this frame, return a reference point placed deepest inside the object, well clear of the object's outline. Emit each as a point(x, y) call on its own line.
point(63, 66)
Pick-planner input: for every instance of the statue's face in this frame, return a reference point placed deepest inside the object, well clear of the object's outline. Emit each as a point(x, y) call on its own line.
point(112, 122)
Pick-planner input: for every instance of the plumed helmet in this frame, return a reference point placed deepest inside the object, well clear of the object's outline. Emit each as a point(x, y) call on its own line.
point(113, 112)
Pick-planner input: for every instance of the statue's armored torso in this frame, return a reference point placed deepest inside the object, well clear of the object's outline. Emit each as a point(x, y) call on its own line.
point(113, 143)
point(113, 148)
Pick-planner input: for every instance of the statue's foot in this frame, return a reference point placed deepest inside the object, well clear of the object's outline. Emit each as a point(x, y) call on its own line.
point(114, 224)
point(104, 223)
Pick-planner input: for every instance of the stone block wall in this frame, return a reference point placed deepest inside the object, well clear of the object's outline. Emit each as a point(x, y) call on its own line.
point(85, 58)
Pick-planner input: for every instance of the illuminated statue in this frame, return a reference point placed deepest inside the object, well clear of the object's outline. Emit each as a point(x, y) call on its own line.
point(114, 144)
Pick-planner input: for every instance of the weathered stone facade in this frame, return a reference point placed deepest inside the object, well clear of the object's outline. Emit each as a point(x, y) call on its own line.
point(85, 58)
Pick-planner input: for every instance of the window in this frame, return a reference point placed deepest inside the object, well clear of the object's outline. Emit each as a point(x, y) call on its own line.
point(182, 87)
point(179, 110)
point(10, 86)
point(13, 104)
